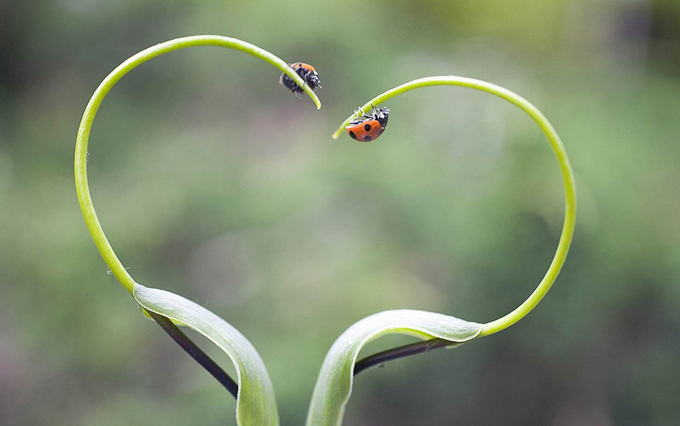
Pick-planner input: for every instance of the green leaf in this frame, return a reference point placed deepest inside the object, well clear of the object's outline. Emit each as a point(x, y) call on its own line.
point(334, 385)
point(255, 405)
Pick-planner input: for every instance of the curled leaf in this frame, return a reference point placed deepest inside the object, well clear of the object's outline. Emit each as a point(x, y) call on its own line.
point(255, 404)
point(334, 384)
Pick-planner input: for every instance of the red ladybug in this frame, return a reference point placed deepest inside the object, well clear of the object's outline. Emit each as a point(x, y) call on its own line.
point(308, 74)
point(369, 127)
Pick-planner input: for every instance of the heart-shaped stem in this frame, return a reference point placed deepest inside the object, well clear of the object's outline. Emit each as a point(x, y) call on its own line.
point(83, 190)
point(82, 186)
point(562, 161)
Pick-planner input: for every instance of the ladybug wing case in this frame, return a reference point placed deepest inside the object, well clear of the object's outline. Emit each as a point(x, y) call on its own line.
point(365, 131)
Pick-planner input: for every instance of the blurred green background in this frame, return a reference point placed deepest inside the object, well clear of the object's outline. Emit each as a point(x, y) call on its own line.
point(214, 182)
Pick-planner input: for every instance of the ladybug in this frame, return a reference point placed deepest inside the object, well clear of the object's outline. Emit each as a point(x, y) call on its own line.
point(308, 74)
point(369, 127)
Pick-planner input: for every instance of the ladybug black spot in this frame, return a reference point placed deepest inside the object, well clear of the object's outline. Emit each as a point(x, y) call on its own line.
point(367, 138)
point(367, 127)
point(351, 133)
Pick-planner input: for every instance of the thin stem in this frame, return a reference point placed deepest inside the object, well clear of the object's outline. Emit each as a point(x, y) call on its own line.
point(196, 353)
point(82, 186)
point(562, 160)
point(401, 352)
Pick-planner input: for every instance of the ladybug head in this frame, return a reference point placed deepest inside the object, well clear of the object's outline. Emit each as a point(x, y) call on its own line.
point(313, 80)
point(382, 115)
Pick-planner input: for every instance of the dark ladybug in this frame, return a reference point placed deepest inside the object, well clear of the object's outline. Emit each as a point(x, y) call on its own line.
point(306, 72)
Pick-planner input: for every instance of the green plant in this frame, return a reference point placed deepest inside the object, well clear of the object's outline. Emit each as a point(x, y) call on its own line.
point(256, 404)
point(334, 384)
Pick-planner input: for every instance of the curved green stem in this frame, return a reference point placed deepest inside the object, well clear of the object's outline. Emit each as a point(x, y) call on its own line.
point(562, 160)
point(82, 186)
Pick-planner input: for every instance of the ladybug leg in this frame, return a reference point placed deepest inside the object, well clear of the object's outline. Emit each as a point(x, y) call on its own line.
point(361, 114)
